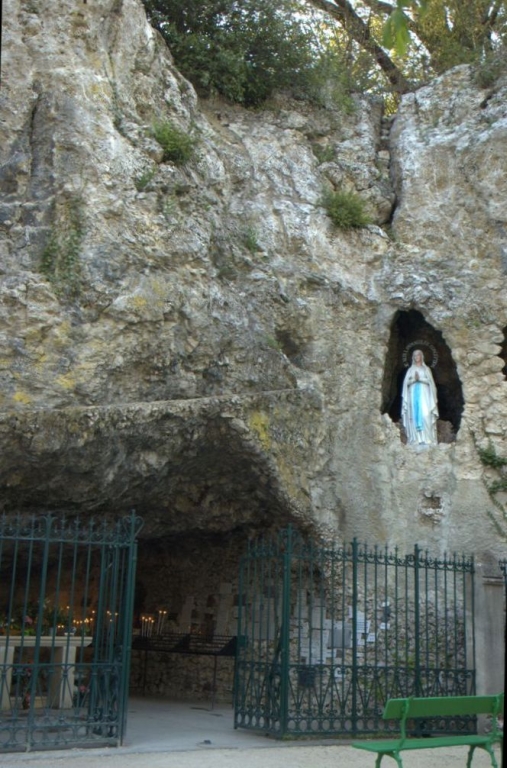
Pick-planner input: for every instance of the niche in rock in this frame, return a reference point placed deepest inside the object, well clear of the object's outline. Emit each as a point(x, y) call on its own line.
point(503, 351)
point(409, 331)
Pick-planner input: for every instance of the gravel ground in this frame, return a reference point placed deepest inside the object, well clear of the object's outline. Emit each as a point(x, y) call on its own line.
point(165, 734)
point(270, 757)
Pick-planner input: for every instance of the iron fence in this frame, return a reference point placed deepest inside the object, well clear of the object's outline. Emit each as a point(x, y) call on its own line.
point(66, 603)
point(328, 633)
point(503, 567)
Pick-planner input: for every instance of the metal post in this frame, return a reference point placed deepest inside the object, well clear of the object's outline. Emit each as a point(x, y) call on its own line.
point(239, 656)
point(285, 636)
point(355, 598)
point(417, 640)
point(128, 613)
point(36, 654)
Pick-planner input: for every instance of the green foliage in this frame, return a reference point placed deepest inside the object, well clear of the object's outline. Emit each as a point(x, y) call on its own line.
point(452, 31)
point(345, 209)
point(490, 458)
point(117, 111)
point(227, 272)
point(60, 260)
point(492, 68)
point(250, 241)
point(168, 207)
point(396, 32)
point(405, 42)
point(324, 154)
point(334, 77)
point(244, 51)
point(144, 179)
point(498, 485)
point(178, 146)
point(272, 342)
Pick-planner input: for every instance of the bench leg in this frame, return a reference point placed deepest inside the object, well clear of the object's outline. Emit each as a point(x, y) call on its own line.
point(394, 755)
point(488, 749)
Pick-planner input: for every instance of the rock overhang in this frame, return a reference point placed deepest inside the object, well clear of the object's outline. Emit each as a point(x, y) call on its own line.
point(206, 464)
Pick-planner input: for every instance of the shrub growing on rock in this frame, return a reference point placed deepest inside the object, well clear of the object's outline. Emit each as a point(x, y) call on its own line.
point(345, 209)
point(178, 146)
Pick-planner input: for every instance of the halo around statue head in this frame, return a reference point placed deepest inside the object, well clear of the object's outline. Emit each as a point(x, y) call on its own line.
point(425, 347)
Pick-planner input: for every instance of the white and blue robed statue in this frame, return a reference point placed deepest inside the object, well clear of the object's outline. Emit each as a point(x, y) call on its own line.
point(419, 410)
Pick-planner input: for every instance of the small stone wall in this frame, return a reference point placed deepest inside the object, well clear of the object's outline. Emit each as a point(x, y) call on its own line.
point(182, 677)
point(195, 582)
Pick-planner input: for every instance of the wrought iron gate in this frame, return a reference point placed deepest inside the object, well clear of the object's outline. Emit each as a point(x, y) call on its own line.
point(66, 592)
point(328, 633)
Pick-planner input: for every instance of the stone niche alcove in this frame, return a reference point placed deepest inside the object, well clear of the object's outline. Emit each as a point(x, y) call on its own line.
point(409, 331)
point(503, 352)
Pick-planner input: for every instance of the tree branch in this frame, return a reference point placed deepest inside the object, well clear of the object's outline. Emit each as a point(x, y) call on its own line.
point(342, 11)
point(380, 7)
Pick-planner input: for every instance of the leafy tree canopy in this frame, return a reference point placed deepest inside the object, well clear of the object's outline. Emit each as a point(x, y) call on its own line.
point(243, 49)
point(246, 49)
point(411, 40)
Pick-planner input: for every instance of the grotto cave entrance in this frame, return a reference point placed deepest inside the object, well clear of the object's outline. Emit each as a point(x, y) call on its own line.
point(203, 478)
point(409, 331)
point(185, 616)
point(200, 513)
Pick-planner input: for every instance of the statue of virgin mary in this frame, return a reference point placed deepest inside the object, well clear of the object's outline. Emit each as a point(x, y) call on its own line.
point(419, 411)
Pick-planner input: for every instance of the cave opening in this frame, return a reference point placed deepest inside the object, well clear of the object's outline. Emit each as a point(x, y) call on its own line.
point(409, 331)
point(209, 504)
point(203, 484)
point(186, 615)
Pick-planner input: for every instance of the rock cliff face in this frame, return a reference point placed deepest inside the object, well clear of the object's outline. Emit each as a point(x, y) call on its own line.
point(200, 342)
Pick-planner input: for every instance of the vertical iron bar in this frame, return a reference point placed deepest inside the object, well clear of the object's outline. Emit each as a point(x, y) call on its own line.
point(390, 690)
point(56, 671)
point(285, 635)
point(427, 652)
point(455, 658)
point(262, 665)
point(261, 668)
point(300, 592)
point(239, 656)
point(27, 580)
point(438, 660)
point(472, 611)
point(330, 643)
point(417, 648)
point(126, 628)
point(345, 570)
point(354, 634)
point(364, 639)
point(375, 629)
point(446, 610)
point(316, 692)
point(36, 654)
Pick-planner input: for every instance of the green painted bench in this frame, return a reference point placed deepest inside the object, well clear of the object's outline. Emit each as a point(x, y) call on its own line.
point(442, 706)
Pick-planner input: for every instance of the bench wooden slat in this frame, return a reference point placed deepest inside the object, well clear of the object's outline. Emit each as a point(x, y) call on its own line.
point(428, 743)
point(441, 706)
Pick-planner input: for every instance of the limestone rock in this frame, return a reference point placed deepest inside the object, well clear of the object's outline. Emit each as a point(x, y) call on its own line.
point(198, 341)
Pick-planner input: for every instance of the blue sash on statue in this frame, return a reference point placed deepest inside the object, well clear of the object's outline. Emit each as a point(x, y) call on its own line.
point(418, 406)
